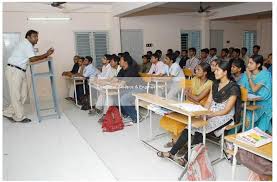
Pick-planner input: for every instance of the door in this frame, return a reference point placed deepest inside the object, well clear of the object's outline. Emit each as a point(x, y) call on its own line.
point(132, 42)
point(10, 40)
point(216, 40)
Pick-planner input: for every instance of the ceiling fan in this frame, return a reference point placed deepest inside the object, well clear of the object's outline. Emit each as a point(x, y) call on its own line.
point(67, 7)
point(58, 5)
point(203, 9)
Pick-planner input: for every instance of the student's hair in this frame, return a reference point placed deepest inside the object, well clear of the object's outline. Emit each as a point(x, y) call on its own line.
point(155, 55)
point(231, 48)
point(82, 58)
point(185, 50)
point(171, 56)
point(240, 64)
point(244, 48)
point(206, 68)
point(177, 52)
point(170, 51)
point(192, 49)
point(115, 58)
point(216, 60)
point(149, 52)
point(127, 58)
point(109, 57)
point(30, 32)
point(126, 53)
point(159, 52)
point(225, 50)
point(77, 56)
point(120, 54)
point(226, 66)
point(258, 59)
point(213, 49)
point(144, 56)
point(89, 58)
point(205, 50)
point(237, 50)
point(257, 46)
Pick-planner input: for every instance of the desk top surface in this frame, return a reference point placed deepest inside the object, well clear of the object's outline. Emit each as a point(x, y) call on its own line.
point(166, 103)
point(263, 151)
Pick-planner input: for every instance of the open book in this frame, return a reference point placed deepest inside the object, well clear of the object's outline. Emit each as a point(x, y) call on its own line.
point(254, 137)
point(190, 107)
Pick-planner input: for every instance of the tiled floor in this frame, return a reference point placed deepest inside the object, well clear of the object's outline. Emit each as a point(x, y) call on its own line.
point(75, 147)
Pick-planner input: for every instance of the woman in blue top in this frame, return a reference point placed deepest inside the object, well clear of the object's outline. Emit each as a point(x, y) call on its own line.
point(258, 82)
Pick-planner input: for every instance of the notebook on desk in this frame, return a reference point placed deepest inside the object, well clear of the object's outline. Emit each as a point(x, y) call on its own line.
point(190, 107)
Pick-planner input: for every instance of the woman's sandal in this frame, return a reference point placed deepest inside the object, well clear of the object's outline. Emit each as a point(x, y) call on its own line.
point(162, 155)
point(181, 161)
point(169, 144)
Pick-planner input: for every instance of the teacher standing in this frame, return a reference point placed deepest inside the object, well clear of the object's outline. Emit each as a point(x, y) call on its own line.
point(16, 75)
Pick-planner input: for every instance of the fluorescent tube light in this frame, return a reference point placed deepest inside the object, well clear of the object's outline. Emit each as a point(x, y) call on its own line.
point(50, 19)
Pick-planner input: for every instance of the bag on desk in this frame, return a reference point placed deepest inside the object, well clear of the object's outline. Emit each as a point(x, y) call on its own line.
point(199, 167)
point(255, 163)
point(112, 120)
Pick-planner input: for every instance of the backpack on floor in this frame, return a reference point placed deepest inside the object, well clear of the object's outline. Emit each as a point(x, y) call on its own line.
point(199, 165)
point(112, 120)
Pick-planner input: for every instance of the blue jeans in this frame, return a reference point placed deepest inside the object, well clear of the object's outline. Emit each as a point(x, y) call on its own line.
point(128, 103)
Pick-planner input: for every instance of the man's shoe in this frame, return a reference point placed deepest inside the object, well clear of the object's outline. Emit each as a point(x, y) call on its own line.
point(26, 120)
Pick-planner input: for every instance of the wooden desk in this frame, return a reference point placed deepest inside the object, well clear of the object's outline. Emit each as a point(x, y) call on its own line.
point(165, 103)
point(110, 87)
point(264, 151)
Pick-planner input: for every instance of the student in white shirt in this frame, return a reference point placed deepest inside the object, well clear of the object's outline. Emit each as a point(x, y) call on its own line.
point(115, 63)
point(178, 56)
point(16, 75)
point(177, 73)
point(90, 70)
point(193, 61)
point(157, 67)
point(106, 69)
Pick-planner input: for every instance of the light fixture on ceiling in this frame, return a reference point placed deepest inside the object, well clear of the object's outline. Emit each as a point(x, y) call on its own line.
point(49, 19)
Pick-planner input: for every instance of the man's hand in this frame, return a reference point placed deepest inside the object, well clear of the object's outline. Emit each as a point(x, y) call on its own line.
point(50, 51)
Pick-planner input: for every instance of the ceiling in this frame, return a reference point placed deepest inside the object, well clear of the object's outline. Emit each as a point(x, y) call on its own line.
point(181, 7)
point(254, 16)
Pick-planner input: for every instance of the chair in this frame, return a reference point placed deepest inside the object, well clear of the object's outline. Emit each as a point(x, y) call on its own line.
point(188, 73)
point(184, 83)
point(244, 94)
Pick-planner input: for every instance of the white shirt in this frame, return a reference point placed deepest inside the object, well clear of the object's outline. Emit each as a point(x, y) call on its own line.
point(178, 59)
point(192, 63)
point(118, 69)
point(21, 54)
point(158, 68)
point(176, 71)
point(90, 71)
point(106, 72)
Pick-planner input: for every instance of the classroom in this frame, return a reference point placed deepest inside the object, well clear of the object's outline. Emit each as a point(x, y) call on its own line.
point(137, 90)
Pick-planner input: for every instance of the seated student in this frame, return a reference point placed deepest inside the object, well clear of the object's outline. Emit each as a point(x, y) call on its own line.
point(169, 51)
point(134, 85)
point(204, 55)
point(258, 82)
point(176, 72)
point(238, 69)
point(213, 65)
point(159, 53)
point(223, 102)
point(90, 71)
point(70, 85)
point(101, 105)
point(106, 68)
point(75, 67)
point(268, 63)
point(230, 52)
point(178, 56)
point(224, 54)
point(244, 55)
point(157, 67)
point(212, 55)
point(146, 64)
point(256, 49)
point(149, 54)
point(201, 86)
point(184, 58)
point(193, 61)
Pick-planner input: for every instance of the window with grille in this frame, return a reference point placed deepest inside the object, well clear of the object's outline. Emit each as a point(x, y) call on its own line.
point(190, 39)
point(249, 40)
point(94, 44)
